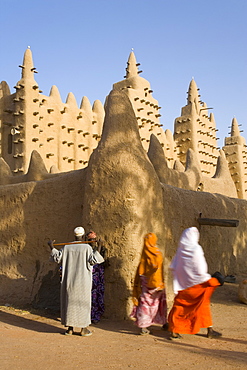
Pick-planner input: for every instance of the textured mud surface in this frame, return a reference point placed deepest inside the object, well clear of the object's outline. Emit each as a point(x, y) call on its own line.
point(35, 340)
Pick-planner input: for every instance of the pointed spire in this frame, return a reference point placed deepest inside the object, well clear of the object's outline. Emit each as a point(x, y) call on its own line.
point(169, 136)
point(178, 166)
point(211, 118)
point(5, 172)
point(85, 104)
point(86, 108)
point(54, 169)
point(193, 93)
point(27, 66)
point(71, 100)
point(192, 163)
point(120, 121)
point(36, 170)
point(221, 182)
point(4, 89)
point(54, 93)
point(222, 169)
point(98, 107)
point(157, 157)
point(235, 128)
point(131, 69)
point(98, 114)
point(170, 141)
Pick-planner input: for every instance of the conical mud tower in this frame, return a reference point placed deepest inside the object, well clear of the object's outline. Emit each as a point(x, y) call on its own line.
point(123, 199)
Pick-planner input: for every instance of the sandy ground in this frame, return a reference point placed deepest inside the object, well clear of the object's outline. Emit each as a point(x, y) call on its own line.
point(35, 340)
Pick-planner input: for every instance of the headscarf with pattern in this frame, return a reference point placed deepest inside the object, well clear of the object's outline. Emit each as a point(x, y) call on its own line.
point(91, 235)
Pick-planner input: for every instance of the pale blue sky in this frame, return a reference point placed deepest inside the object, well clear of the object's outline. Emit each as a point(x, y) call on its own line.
point(83, 46)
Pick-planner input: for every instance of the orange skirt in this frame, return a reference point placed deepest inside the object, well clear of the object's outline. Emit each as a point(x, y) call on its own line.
point(191, 308)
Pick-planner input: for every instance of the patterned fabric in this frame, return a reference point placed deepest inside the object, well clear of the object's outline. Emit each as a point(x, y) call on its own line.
point(98, 289)
point(150, 266)
point(91, 235)
point(152, 307)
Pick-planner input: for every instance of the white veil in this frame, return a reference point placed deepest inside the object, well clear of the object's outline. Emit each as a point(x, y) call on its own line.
point(189, 266)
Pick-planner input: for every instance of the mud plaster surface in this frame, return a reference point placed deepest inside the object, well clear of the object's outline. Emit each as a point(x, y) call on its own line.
point(34, 340)
point(119, 195)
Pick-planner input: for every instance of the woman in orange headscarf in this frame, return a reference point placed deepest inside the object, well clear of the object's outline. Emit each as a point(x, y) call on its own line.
point(149, 295)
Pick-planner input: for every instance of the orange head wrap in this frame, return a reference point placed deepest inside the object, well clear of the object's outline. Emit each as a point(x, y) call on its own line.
point(150, 266)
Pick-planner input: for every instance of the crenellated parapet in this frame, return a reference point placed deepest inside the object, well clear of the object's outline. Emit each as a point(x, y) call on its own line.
point(190, 176)
point(42, 136)
point(236, 153)
point(36, 171)
point(62, 133)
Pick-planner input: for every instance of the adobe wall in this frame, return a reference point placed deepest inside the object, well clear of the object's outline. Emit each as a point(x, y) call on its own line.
point(224, 247)
point(121, 197)
point(123, 201)
point(31, 213)
point(34, 212)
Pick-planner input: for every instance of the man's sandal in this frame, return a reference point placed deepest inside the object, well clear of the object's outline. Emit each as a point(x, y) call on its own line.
point(69, 331)
point(85, 332)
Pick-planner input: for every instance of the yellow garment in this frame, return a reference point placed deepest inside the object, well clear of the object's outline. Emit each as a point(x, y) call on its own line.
point(150, 266)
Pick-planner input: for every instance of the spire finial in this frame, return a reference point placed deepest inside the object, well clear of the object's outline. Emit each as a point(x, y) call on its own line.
point(131, 69)
point(235, 127)
point(28, 69)
point(193, 92)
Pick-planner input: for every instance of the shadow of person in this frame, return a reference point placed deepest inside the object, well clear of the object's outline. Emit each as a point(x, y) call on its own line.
point(27, 323)
point(48, 295)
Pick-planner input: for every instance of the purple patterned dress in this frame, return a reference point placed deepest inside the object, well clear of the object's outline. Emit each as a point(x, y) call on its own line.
point(98, 289)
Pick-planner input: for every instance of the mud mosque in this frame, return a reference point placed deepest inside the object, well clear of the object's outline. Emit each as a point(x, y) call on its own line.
point(113, 168)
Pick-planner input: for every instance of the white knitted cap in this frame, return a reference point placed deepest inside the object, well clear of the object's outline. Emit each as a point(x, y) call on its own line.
point(79, 231)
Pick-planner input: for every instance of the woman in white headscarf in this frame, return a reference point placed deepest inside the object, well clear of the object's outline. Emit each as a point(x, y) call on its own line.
point(193, 287)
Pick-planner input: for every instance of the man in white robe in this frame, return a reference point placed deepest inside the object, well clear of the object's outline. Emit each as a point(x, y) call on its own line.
point(76, 283)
